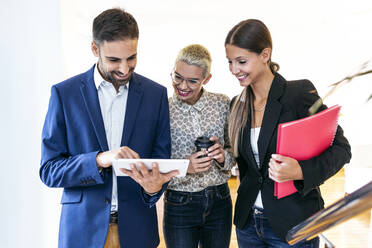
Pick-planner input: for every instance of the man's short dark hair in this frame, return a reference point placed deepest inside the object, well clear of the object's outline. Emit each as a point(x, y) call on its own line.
point(114, 24)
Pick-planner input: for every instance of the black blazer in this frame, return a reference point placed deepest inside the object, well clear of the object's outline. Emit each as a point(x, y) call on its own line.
point(287, 101)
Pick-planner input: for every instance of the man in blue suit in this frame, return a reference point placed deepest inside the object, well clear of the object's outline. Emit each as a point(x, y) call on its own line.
point(93, 118)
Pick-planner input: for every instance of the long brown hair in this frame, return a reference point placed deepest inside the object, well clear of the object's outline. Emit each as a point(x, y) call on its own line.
point(254, 36)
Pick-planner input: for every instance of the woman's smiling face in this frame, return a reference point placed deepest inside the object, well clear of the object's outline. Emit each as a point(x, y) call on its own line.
point(188, 82)
point(246, 66)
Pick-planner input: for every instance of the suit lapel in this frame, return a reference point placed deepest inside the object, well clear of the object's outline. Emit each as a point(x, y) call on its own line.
point(90, 96)
point(135, 94)
point(271, 117)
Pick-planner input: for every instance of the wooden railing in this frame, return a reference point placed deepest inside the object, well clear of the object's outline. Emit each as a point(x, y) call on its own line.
point(340, 211)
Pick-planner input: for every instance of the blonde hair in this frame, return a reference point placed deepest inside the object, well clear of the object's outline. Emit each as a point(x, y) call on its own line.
point(197, 55)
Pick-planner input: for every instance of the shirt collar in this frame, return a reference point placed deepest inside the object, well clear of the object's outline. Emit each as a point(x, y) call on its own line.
point(199, 105)
point(99, 80)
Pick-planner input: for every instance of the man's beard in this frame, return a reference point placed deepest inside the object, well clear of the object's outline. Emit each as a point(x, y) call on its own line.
point(109, 76)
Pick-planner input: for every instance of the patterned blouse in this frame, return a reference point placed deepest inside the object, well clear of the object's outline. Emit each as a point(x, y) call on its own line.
point(207, 117)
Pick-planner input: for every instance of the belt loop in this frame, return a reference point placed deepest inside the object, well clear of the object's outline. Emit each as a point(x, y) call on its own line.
point(114, 217)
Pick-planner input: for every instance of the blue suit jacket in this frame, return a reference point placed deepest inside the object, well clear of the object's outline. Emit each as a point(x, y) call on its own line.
point(72, 136)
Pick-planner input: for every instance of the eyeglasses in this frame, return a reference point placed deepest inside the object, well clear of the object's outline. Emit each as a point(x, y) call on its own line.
point(177, 79)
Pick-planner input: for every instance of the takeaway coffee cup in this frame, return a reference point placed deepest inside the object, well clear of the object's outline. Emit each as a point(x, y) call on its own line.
point(202, 144)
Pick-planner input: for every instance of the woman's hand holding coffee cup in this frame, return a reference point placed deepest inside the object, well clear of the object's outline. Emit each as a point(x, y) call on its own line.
point(216, 151)
point(199, 162)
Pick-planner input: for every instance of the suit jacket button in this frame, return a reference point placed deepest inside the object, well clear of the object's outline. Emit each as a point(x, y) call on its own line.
point(260, 180)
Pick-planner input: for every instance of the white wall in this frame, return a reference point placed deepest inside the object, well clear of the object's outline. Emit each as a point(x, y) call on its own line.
point(44, 42)
point(323, 41)
point(30, 46)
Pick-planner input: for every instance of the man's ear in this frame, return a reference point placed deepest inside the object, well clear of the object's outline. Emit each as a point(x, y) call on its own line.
point(95, 49)
point(266, 55)
point(206, 80)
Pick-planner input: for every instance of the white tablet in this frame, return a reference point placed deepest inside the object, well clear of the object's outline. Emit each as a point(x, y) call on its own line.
point(165, 165)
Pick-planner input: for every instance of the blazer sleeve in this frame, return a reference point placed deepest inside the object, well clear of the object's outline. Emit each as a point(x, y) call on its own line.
point(318, 169)
point(161, 145)
point(59, 168)
point(162, 141)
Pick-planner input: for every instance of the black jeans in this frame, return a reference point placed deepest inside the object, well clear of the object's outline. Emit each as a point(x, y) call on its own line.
point(198, 218)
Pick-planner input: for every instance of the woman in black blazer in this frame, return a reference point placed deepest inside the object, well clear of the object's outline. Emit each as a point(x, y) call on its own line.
point(268, 99)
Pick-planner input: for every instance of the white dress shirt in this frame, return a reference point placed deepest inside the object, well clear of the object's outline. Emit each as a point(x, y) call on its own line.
point(255, 132)
point(113, 105)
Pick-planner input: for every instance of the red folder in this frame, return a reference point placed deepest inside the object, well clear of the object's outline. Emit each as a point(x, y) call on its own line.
point(303, 139)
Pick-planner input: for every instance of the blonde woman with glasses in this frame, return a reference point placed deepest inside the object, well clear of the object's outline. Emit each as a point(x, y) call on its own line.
point(198, 207)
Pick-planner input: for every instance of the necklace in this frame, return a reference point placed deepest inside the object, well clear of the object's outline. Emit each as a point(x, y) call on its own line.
point(261, 109)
